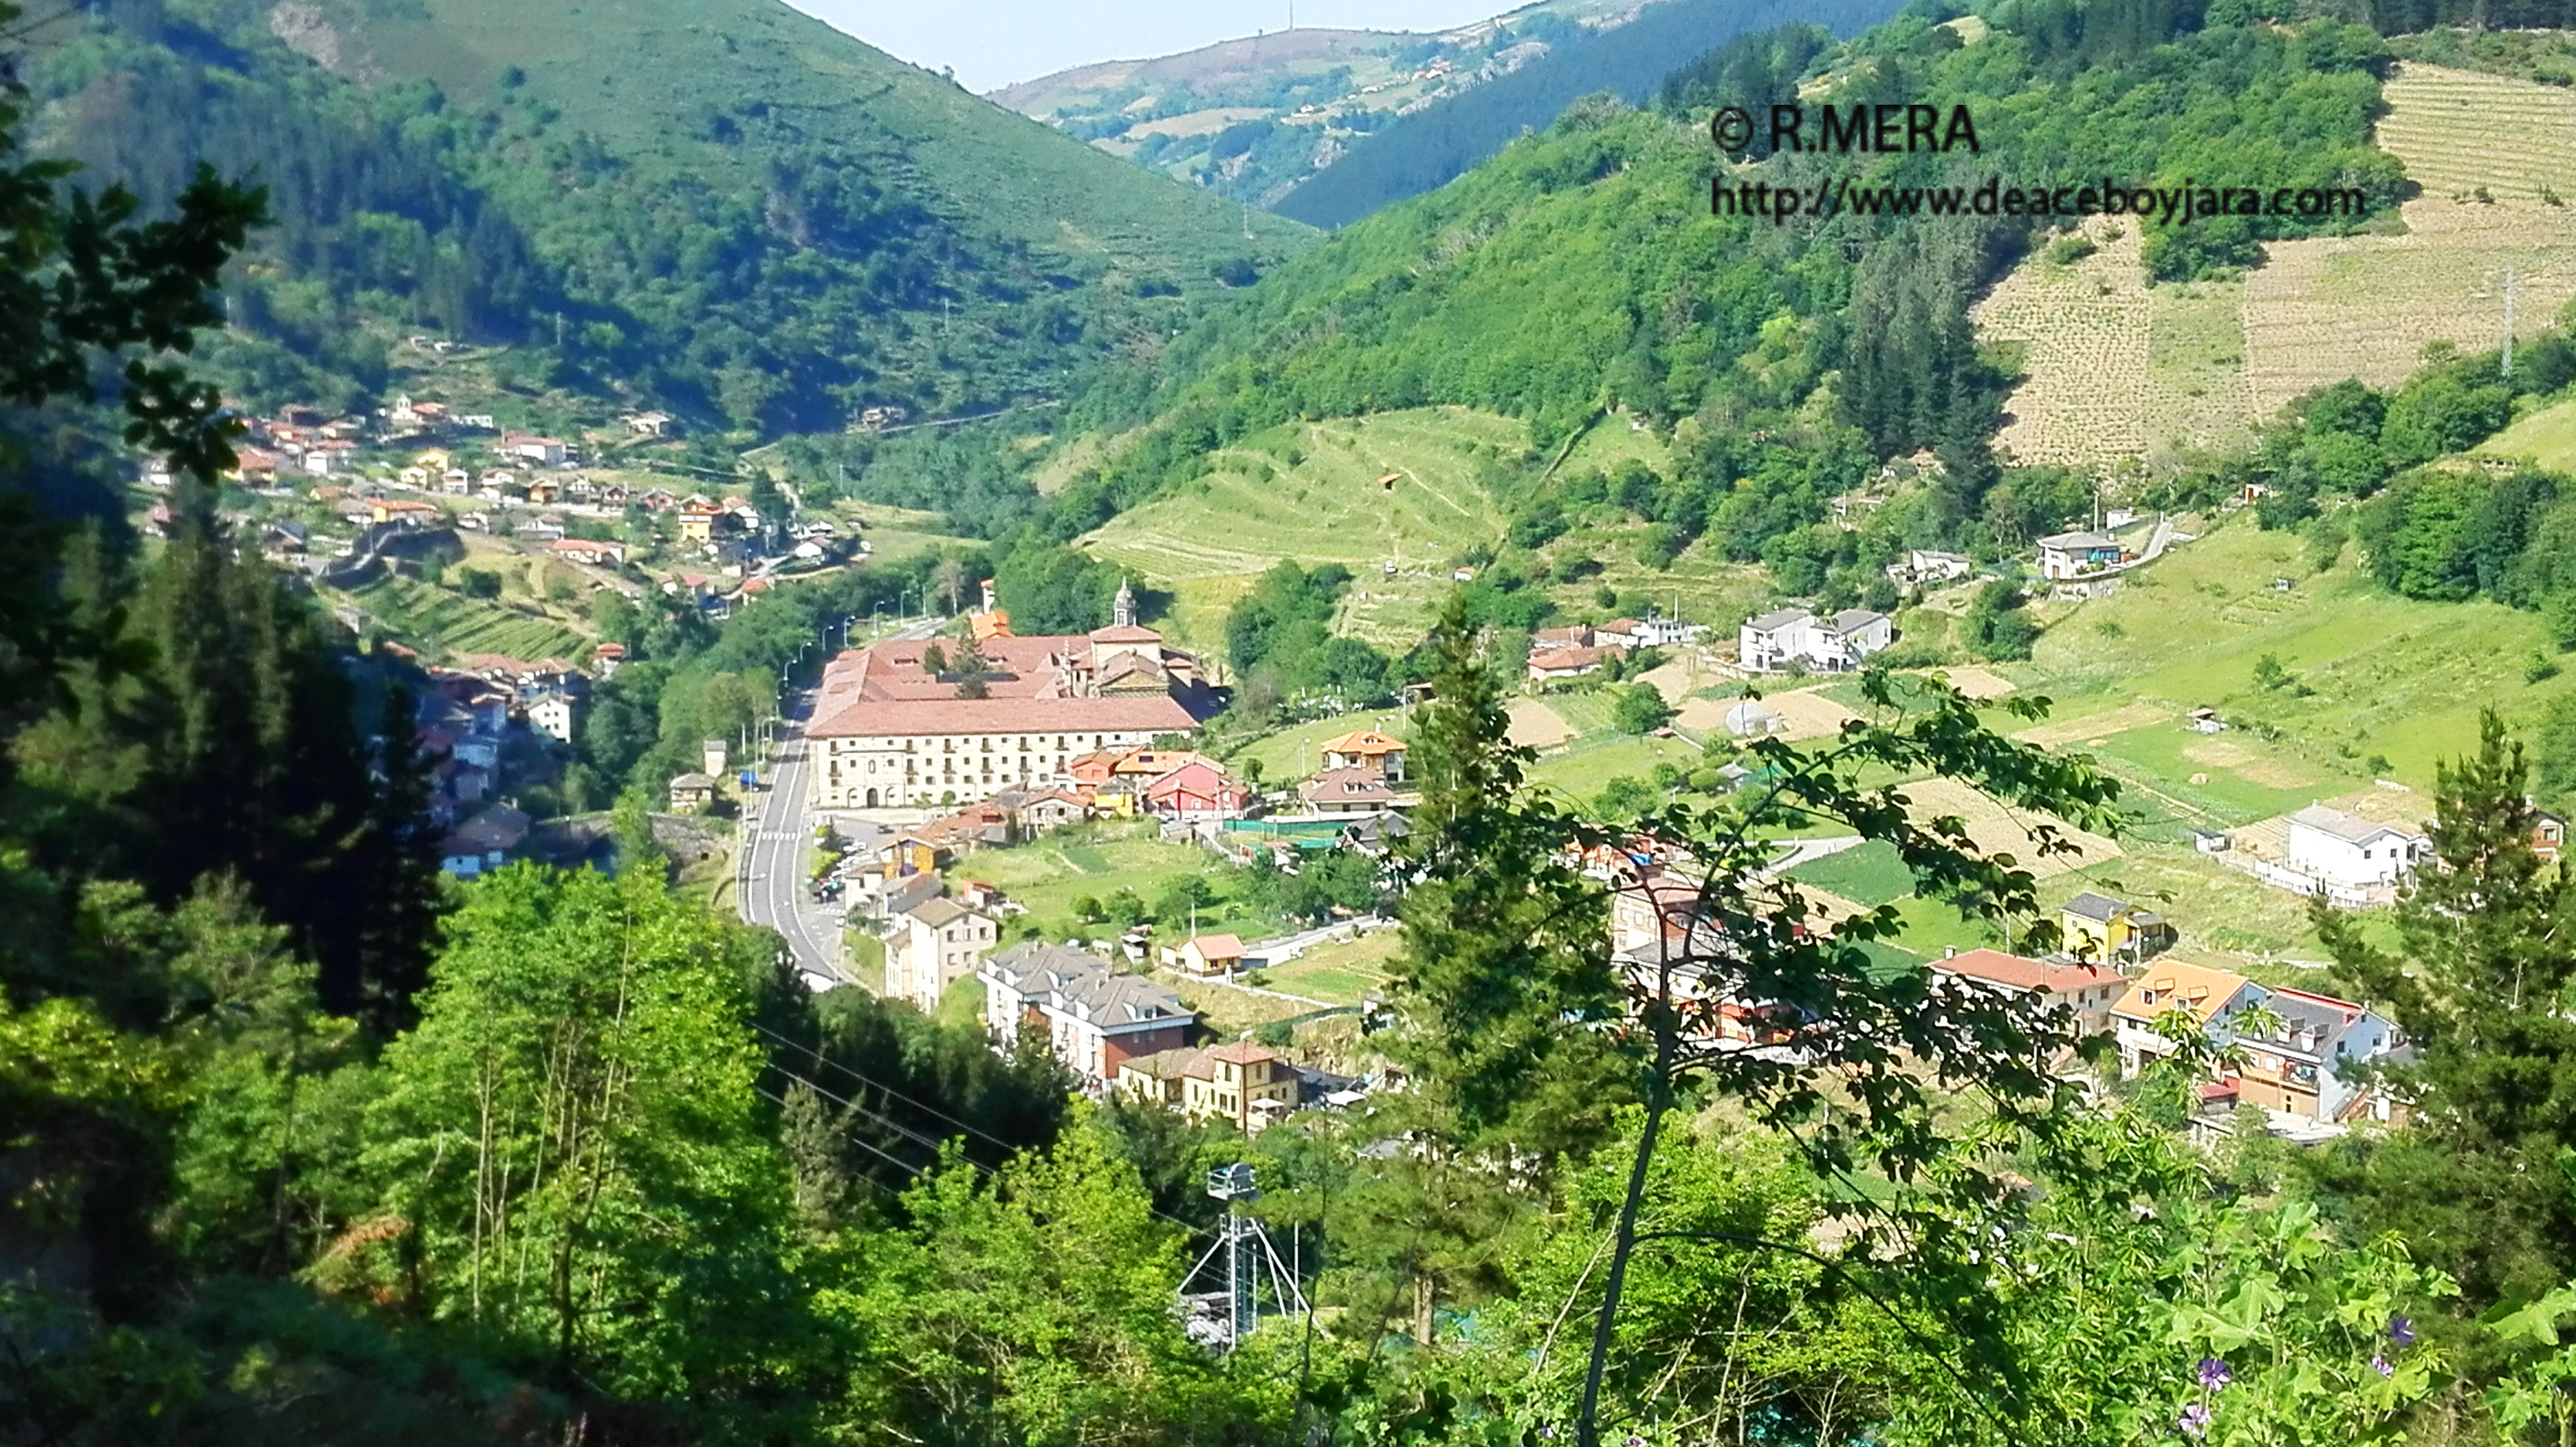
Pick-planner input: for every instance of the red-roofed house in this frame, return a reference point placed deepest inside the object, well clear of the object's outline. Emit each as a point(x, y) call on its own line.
point(1198, 790)
point(2088, 991)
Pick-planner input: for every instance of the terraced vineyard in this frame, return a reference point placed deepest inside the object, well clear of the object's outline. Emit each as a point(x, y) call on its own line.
point(439, 622)
point(2459, 131)
point(1312, 492)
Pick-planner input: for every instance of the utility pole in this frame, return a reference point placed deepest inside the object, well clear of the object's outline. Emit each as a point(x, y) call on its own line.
point(2508, 323)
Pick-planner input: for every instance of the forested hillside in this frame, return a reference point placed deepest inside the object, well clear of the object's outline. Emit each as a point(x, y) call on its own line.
point(1580, 271)
point(736, 214)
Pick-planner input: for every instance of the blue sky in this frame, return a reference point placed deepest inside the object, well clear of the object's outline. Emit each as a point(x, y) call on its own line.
point(993, 43)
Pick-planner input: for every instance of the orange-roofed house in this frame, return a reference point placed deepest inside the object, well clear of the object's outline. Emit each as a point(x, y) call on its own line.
point(1366, 749)
point(990, 624)
point(1213, 955)
point(1198, 790)
point(2086, 991)
point(2213, 998)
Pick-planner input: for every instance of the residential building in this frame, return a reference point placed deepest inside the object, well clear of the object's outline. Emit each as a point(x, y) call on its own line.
point(699, 519)
point(2548, 833)
point(555, 715)
point(588, 550)
point(2072, 555)
point(1796, 636)
point(545, 451)
point(1353, 791)
point(1038, 810)
point(2087, 992)
point(1212, 955)
point(1557, 664)
point(936, 943)
point(1198, 790)
point(892, 734)
point(692, 793)
point(2099, 927)
point(2297, 1064)
point(1091, 1019)
point(2354, 853)
point(1366, 749)
point(2213, 998)
point(1924, 565)
point(483, 843)
point(1240, 1082)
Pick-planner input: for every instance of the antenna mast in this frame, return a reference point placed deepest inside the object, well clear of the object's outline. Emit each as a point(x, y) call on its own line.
point(1250, 1260)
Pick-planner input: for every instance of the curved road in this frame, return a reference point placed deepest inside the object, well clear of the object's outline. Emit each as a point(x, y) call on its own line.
point(771, 871)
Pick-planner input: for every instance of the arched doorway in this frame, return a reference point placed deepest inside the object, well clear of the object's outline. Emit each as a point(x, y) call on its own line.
point(872, 798)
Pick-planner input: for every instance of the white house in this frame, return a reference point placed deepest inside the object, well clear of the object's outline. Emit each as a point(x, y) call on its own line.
point(551, 714)
point(1923, 565)
point(2354, 853)
point(936, 943)
point(2072, 555)
point(1837, 644)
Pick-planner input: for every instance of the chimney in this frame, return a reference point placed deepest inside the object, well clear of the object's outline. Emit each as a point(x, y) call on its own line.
point(1949, 952)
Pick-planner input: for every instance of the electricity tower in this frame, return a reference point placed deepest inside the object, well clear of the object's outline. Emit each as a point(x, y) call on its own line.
point(1252, 1269)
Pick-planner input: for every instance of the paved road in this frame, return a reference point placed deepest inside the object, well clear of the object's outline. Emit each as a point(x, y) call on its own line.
point(774, 869)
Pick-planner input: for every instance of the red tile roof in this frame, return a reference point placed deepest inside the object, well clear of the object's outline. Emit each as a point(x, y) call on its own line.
point(2016, 972)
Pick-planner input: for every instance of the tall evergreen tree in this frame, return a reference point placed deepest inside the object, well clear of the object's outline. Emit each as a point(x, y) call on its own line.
point(2482, 978)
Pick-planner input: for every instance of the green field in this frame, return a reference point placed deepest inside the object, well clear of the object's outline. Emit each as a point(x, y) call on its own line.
point(1587, 764)
point(1868, 874)
point(1342, 973)
point(2546, 436)
point(1292, 753)
point(439, 622)
point(1051, 873)
point(2386, 676)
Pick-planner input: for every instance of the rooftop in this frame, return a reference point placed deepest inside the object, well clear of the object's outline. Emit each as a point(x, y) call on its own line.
point(2346, 827)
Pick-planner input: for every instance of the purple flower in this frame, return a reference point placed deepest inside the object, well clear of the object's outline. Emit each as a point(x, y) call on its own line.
point(2401, 1330)
point(2195, 1420)
point(2214, 1374)
point(2381, 1366)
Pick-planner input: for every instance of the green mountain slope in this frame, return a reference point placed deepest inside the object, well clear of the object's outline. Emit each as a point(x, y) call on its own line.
point(728, 209)
point(1250, 118)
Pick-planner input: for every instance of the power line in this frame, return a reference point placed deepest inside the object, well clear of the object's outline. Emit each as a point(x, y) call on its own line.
point(877, 1085)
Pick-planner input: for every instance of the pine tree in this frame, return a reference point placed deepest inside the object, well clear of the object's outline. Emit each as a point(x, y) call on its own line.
point(2481, 979)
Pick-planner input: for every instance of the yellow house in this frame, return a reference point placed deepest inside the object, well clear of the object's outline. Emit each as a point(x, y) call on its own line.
point(434, 459)
point(1242, 1083)
point(2102, 928)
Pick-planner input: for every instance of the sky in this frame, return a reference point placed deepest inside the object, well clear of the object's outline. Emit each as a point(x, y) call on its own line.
point(994, 43)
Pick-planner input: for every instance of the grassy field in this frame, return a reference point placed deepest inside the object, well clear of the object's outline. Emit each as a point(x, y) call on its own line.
point(1292, 753)
point(440, 622)
point(1342, 973)
point(1869, 874)
point(2382, 676)
point(1050, 874)
point(1584, 766)
point(2114, 369)
point(2546, 437)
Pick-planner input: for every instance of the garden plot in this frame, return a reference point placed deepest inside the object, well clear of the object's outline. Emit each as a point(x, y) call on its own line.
point(2325, 308)
point(2459, 131)
point(1535, 725)
point(2096, 726)
point(1997, 829)
point(2084, 329)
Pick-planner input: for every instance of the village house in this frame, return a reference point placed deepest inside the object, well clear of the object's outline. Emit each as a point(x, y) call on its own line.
point(1353, 791)
point(483, 843)
point(699, 519)
point(2296, 1064)
point(2087, 992)
point(2073, 555)
point(1555, 665)
point(1242, 1083)
point(910, 854)
point(1039, 810)
point(589, 550)
point(555, 715)
point(1366, 749)
point(1212, 955)
point(2350, 852)
point(648, 424)
point(456, 482)
point(692, 793)
point(1091, 1019)
point(544, 451)
point(1924, 565)
point(1198, 790)
point(2102, 928)
point(1787, 636)
point(893, 734)
point(2212, 997)
point(2548, 833)
point(936, 943)
point(660, 499)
